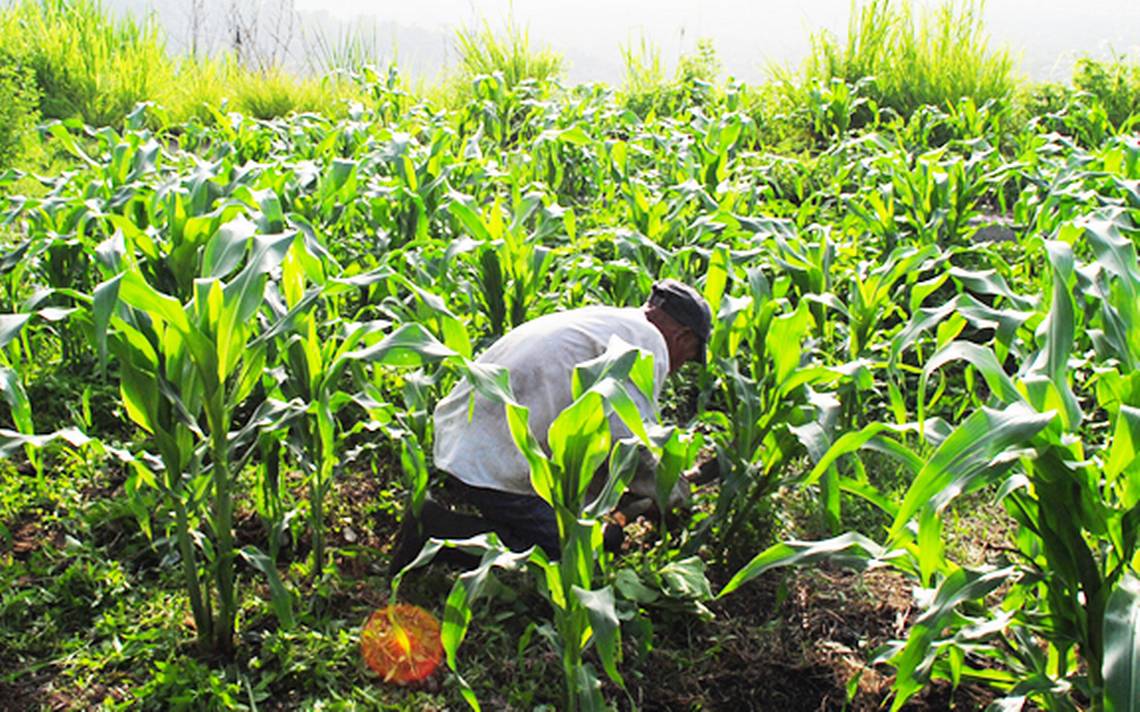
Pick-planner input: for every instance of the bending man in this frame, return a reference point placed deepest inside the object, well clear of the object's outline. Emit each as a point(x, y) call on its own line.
point(475, 447)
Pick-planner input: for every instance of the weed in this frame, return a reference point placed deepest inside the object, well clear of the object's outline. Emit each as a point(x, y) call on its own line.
point(911, 57)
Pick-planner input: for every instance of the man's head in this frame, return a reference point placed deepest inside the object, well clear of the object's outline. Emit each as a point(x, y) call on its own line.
point(683, 317)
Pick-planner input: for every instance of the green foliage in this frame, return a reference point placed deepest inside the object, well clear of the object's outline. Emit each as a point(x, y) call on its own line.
point(232, 316)
point(507, 55)
point(911, 57)
point(1114, 83)
point(645, 82)
point(273, 93)
point(86, 63)
point(91, 65)
point(702, 65)
point(19, 112)
point(647, 89)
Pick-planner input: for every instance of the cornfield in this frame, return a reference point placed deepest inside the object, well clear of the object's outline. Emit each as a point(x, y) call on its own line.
point(211, 329)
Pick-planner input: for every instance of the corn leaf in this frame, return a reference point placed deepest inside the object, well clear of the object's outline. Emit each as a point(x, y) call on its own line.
point(850, 548)
point(279, 595)
point(1122, 647)
point(972, 451)
point(913, 663)
point(226, 248)
point(604, 625)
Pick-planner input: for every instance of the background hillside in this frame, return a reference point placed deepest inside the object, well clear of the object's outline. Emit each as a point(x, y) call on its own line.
point(1047, 36)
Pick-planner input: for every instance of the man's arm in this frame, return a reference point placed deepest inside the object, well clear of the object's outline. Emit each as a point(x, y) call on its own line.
point(644, 484)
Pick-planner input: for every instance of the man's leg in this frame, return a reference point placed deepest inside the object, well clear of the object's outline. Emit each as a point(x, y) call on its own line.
point(520, 520)
point(439, 522)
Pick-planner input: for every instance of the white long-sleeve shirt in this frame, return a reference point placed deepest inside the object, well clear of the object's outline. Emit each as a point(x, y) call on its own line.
point(540, 355)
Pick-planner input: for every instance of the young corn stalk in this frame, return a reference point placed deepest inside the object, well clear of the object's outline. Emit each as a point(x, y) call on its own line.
point(184, 366)
point(308, 356)
point(513, 263)
point(15, 354)
point(770, 411)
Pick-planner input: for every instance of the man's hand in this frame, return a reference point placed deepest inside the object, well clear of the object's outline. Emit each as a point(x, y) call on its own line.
point(632, 507)
point(704, 473)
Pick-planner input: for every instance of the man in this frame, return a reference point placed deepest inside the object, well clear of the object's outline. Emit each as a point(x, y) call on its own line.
point(474, 445)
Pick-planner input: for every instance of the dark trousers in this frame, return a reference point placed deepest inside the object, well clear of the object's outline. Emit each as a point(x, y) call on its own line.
point(519, 520)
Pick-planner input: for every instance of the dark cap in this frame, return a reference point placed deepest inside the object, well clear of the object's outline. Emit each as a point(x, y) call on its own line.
point(686, 306)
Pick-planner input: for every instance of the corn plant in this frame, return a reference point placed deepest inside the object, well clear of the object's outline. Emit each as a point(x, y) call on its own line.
point(16, 354)
point(869, 309)
point(513, 263)
point(185, 371)
point(936, 194)
point(311, 376)
point(769, 406)
point(835, 107)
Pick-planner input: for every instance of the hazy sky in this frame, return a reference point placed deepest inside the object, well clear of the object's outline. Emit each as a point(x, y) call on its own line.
point(1046, 34)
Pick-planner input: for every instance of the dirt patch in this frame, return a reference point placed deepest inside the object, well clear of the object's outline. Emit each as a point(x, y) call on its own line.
point(789, 644)
point(30, 534)
point(108, 484)
point(42, 689)
point(23, 695)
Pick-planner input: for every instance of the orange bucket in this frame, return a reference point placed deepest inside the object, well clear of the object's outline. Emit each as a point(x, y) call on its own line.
point(400, 642)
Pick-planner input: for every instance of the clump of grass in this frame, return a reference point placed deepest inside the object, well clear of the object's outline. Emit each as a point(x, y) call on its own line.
point(86, 63)
point(700, 65)
point(349, 51)
point(1103, 100)
point(649, 89)
point(1114, 83)
point(206, 85)
point(19, 112)
point(483, 51)
point(646, 82)
point(265, 95)
point(925, 57)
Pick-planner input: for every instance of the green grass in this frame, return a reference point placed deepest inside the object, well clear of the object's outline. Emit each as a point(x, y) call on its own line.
point(646, 82)
point(1115, 83)
point(648, 88)
point(91, 65)
point(87, 63)
point(915, 57)
point(482, 51)
point(19, 112)
point(485, 52)
point(221, 84)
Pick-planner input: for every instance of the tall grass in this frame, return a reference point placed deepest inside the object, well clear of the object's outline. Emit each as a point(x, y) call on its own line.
point(644, 70)
point(1115, 83)
point(94, 66)
point(221, 83)
point(648, 88)
point(19, 112)
point(483, 51)
point(646, 84)
point(917, 57)
point(91, 64)
point(347, 51)
point(86, 63)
